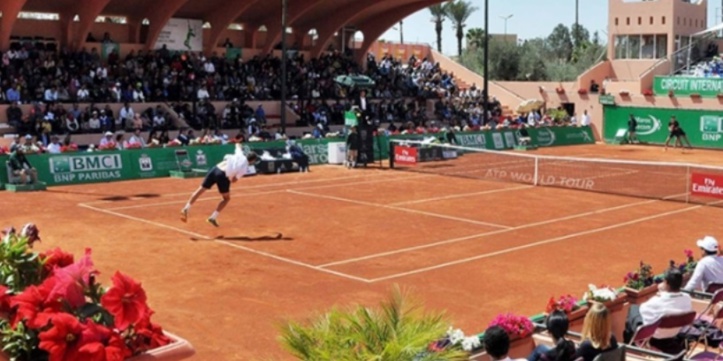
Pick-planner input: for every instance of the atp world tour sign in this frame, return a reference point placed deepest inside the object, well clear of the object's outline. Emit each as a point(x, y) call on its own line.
point(181, 35)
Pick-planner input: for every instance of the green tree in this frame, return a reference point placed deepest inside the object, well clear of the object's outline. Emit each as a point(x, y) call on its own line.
point(504, 60)
point(398, 330)
point(458, 12)
point(580, 35)
point(560, 43)
point(476, 38)
point(439, 13)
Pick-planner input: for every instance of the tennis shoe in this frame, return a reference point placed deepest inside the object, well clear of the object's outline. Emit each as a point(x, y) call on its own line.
point(213, 222)
point(184, 215)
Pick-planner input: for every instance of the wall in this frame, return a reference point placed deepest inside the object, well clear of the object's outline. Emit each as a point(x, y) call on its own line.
point(403, 51)
point(662, 68)
point(598, 73)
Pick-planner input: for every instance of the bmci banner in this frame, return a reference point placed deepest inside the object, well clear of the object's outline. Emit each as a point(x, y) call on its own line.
point(181, 35)
point(704, 128)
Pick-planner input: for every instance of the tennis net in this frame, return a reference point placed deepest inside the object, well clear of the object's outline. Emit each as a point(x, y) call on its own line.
point(655, 180)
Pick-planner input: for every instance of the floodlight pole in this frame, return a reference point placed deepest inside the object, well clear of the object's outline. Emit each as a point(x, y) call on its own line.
point(486, 75)
point(284, 10)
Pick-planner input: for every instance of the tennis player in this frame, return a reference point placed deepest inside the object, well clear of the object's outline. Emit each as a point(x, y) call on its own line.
point(232, 168)
point(675, 131)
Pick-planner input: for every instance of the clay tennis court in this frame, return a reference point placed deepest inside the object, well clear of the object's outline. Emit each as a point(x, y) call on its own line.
point(473, 247)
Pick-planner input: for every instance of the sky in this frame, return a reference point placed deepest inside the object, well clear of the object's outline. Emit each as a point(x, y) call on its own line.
point(530, 19)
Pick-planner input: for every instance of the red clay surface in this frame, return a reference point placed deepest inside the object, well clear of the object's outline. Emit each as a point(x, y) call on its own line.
point(475, 248)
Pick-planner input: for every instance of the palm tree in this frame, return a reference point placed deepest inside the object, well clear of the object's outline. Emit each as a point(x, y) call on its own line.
point(475, 38)
point(458, 12)
point(398, 330)
point(439, 12)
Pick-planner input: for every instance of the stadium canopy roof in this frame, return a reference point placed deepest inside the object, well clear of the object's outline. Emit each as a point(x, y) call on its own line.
point(372, 17)
point(714, 29)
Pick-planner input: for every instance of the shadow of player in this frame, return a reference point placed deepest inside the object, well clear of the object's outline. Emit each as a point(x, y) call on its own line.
point(267, 238)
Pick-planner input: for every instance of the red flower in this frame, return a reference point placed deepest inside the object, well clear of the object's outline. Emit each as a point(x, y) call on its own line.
point(55, 258)
point(101, 344)
point(34, 305)
point(62, 341)
point(73, 280)
point(4, 299)
point(150, 335)
point(126, 301)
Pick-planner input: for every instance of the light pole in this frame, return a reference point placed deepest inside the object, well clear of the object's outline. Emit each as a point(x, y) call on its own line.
point(485, 94)
point(505, 18)
point(284, 9)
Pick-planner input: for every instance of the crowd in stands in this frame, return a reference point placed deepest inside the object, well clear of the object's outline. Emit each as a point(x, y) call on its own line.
point(56, 82)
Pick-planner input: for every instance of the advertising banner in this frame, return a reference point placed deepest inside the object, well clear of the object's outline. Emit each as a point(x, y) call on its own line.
point(704, 128)
point(181, 35)
point(405, 155)
point(681, 85)
point(706, 185)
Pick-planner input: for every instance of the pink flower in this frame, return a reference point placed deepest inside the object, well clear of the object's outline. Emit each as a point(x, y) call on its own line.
point(73, 280)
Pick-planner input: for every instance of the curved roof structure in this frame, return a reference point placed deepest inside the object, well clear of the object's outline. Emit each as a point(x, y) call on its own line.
point(372, 17)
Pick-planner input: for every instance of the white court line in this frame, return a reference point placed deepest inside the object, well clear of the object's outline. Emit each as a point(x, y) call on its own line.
point(480, 235)
point(266, 185)
point(531, 245)
point(396, 208)
point(460, 195)
point(267, 192)
point(250, 250)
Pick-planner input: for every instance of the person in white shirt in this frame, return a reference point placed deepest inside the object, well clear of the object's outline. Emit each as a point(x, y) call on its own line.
point(202, 93)
point(232, 168)
point(83, 93)
point(585, 121)
point(669, 301)
point(138, 95)
point(54, 146)
point(497, 344)
point(709, 269)
point(125, 116)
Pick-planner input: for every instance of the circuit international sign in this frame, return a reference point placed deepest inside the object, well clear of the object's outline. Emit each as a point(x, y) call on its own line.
point(681, 85)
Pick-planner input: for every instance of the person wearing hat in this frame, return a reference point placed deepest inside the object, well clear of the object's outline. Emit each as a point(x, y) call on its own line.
point(29, 147)
point(21, 167)
point(54, 145)
point(107, 141)
point(710, 267)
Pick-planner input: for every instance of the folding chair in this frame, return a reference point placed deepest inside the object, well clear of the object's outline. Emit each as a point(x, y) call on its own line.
point(713, 287)
point(712, 318)
point(617, 354)
point(643, 334)
point(676, 321)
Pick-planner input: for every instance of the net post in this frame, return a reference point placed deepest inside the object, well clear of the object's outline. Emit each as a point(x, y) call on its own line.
point(537, 173)
point(687, 184)
point(391, 154)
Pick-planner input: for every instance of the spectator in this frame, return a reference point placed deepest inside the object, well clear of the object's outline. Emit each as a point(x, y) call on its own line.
point(597, 333)
point(13, 94)
point(125, 116)
point(585, 121)
point(15, 144)
point(564, 350)
point(261, 114)
point(54, 146)
point(497, 343)
point(136, 140)
point(298, 155)
point(21, 167)
point(29, 147)
point(94, 124)
point(710, 267)
point(668, 301)
point(15, 116)
point(107, 141)
point(186, 138)
point(120, 142)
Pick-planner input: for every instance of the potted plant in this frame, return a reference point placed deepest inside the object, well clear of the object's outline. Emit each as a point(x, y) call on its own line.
point(695, 95)
point(560, 90)
point(53, 308)
point(606, 295)
point(569, 304)
point(686, 267)
point(648, 92)
point(640, 285)
point(719, 96)
point(582, 91)
point(520, 329)
point(671, 93)
point(624, 93)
